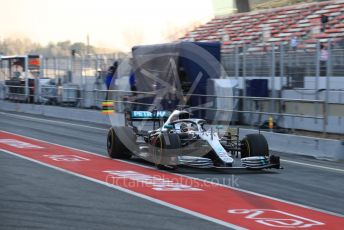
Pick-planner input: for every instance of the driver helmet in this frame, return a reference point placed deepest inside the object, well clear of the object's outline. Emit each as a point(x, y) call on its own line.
point(184, 127)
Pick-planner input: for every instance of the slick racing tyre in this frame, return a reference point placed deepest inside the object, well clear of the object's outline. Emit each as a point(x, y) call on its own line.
point(115, 146)
point(254, 145)
point(165, 145)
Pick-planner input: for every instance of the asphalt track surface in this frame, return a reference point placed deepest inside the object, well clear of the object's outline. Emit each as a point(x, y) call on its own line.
point(38, 197)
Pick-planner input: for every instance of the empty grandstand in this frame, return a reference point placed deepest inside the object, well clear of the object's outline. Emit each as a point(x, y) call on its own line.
point(264, 27)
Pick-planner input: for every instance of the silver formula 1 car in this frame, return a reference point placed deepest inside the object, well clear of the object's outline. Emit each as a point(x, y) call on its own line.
point(173, 139)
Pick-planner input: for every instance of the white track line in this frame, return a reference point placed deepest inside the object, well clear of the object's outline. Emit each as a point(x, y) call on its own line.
point(194, 178)
point(157, 201)
point(312, 165)
point(102, 129)
point(51, 121)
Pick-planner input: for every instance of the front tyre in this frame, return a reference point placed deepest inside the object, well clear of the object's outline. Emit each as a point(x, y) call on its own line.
point(254, 145)
point(166, 145)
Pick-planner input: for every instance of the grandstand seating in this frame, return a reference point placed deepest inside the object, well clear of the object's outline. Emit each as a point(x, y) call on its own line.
point(277, 26)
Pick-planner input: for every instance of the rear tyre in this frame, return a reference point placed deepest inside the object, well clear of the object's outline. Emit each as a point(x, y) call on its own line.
point(254, 145)
point(115, 146)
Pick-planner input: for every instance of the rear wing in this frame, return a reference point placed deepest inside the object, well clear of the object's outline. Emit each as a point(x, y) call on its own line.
point(148, 116)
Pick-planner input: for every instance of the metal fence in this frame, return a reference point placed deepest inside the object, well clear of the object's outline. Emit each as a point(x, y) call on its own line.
point(278, 108)
point(281, 60)
point(290, 69)
point(69, 69)
point(297, 66)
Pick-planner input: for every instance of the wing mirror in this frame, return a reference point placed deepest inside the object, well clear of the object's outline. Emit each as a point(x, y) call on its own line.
point(168, 126)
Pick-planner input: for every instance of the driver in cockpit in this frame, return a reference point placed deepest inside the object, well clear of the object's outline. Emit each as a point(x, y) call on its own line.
point(184, 127)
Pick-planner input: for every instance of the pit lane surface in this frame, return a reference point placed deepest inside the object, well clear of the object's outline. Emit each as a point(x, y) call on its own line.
point(35, 196)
